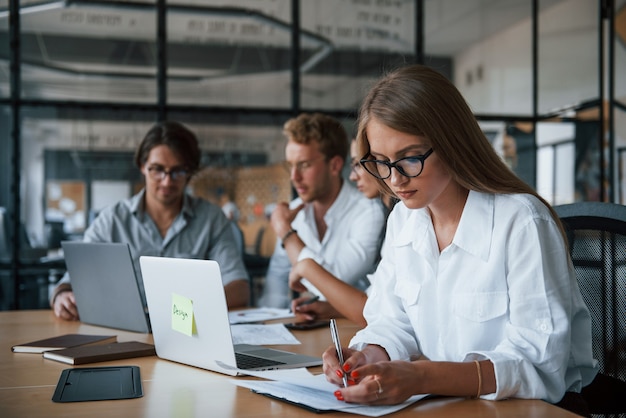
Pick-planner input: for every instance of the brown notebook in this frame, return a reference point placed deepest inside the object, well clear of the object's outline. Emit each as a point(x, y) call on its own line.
point(63, 341)
point(98, 353)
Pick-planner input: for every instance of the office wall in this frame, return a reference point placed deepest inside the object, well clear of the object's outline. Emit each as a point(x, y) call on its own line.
point(568, 62)
point(568, 76)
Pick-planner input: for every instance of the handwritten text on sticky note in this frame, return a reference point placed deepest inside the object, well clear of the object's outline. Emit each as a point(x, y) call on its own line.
point(182, 315)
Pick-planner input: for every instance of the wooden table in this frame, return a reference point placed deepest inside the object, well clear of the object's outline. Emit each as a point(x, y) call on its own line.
point(27, 382)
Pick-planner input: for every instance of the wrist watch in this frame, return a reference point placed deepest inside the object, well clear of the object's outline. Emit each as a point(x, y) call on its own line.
point(287, 235)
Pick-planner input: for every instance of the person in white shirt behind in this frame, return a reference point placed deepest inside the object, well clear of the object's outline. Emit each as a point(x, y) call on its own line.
point(475, 294)
point(330, 222)
point(334, 289)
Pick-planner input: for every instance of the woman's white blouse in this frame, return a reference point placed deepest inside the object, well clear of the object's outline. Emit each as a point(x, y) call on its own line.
point(503, 290)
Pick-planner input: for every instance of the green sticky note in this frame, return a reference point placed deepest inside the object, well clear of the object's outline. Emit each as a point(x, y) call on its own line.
point(182, 315)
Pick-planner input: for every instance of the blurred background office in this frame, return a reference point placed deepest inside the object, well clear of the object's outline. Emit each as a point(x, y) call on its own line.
point(82, 80)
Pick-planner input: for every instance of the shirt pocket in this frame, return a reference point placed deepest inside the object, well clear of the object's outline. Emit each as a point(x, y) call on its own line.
point(480, 306)
point(408, 292)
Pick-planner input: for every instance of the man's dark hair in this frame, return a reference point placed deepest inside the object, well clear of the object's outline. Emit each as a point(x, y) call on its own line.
point(177, 137)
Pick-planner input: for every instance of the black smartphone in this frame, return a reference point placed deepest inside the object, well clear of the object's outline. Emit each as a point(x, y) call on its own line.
point(304, 325)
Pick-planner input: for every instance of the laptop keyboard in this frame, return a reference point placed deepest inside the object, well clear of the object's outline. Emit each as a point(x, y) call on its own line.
point(245, 361)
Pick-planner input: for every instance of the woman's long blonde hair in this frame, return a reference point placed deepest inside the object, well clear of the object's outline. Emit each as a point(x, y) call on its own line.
point(418, 100)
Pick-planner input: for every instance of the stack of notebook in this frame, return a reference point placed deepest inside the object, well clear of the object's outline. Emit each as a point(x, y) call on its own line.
point(63, 341)
point(83, 348)
point(98, 353)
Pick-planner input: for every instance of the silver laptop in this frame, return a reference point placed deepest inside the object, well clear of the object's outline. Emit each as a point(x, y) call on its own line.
point(105, 285)
point(179, 290)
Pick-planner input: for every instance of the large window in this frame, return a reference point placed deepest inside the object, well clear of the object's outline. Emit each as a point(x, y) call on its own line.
point(227, 53)
point(88, 52)
point(359, 40)
point(81, 81)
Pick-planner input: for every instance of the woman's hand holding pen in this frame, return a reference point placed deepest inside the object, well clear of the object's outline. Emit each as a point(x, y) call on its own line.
point(333, 370)
point(308, 308)
point(372, 378)
point(314, 310)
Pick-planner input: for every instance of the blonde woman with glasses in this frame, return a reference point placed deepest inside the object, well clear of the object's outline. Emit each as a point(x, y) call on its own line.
point(475, 294)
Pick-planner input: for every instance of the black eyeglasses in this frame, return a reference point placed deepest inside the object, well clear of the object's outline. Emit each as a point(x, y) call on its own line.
point(159, 173)
point(356, 167)
point(408, 166)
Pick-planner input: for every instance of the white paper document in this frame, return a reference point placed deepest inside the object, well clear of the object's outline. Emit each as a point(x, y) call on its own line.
point(258, 315)
point(314, 392)
point(256, 334)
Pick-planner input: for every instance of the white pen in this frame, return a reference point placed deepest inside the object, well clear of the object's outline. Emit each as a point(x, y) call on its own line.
point(335, 336)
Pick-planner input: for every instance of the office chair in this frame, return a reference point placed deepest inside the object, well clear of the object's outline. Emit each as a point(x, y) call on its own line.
point(255, 264)
point(35, 269)
point(5, 240)
point(596, 233)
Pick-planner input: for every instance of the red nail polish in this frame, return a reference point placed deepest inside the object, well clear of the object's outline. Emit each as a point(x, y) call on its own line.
point(346, 367)
point(354, 374)
point(337, 393)
point(339, 373)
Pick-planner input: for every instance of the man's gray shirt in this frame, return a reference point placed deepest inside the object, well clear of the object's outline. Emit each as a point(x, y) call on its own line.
point(200, 231)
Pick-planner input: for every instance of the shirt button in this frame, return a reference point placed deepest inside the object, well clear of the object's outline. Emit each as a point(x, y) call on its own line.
point(543, 327)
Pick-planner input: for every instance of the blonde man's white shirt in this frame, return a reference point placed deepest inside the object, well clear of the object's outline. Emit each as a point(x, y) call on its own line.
point(349, 249)
point(503, 290)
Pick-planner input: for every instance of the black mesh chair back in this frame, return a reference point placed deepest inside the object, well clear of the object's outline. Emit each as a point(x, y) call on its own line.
point(596, 232)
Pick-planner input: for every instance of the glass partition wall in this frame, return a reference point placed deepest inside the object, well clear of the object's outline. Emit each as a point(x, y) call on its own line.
point(81, 81)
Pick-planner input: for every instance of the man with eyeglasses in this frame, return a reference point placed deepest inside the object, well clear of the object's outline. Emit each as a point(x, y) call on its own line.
point(163, 220)
point(330, 222)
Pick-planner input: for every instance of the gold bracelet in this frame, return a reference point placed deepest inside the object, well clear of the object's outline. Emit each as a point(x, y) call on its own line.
point(480, 379)
point(287, 235)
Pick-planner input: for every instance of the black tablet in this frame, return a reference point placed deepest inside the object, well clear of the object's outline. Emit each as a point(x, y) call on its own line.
point(98, 384)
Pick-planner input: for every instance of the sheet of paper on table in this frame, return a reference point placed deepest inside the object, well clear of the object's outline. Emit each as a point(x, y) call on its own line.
point(300, 387)
point(258, 315)
point(258, 334)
